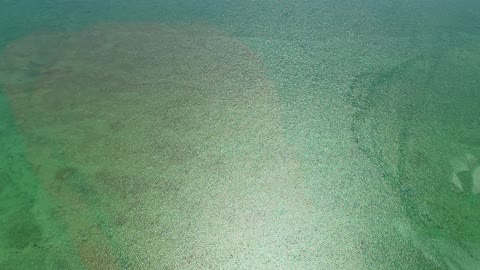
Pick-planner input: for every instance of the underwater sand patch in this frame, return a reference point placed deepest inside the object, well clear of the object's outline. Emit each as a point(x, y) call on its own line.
point(164, 144)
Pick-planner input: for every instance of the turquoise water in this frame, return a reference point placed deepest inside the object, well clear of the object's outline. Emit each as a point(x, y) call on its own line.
point(240, 135)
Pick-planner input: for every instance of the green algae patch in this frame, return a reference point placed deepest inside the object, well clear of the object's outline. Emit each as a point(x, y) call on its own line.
point(31, 235)
point(163, 145)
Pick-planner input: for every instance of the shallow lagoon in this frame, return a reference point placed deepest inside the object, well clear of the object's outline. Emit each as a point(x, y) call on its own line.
point(256, 135)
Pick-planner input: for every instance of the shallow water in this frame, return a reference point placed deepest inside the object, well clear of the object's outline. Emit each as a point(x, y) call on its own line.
point(252, 135)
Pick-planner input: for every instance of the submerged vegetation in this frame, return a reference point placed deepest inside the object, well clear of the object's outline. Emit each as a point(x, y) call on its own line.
point(246, 135)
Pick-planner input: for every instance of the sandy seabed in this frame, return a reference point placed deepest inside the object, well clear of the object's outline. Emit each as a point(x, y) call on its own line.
point(163, 145)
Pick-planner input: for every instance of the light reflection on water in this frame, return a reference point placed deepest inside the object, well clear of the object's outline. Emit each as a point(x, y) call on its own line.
point(247, 135)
